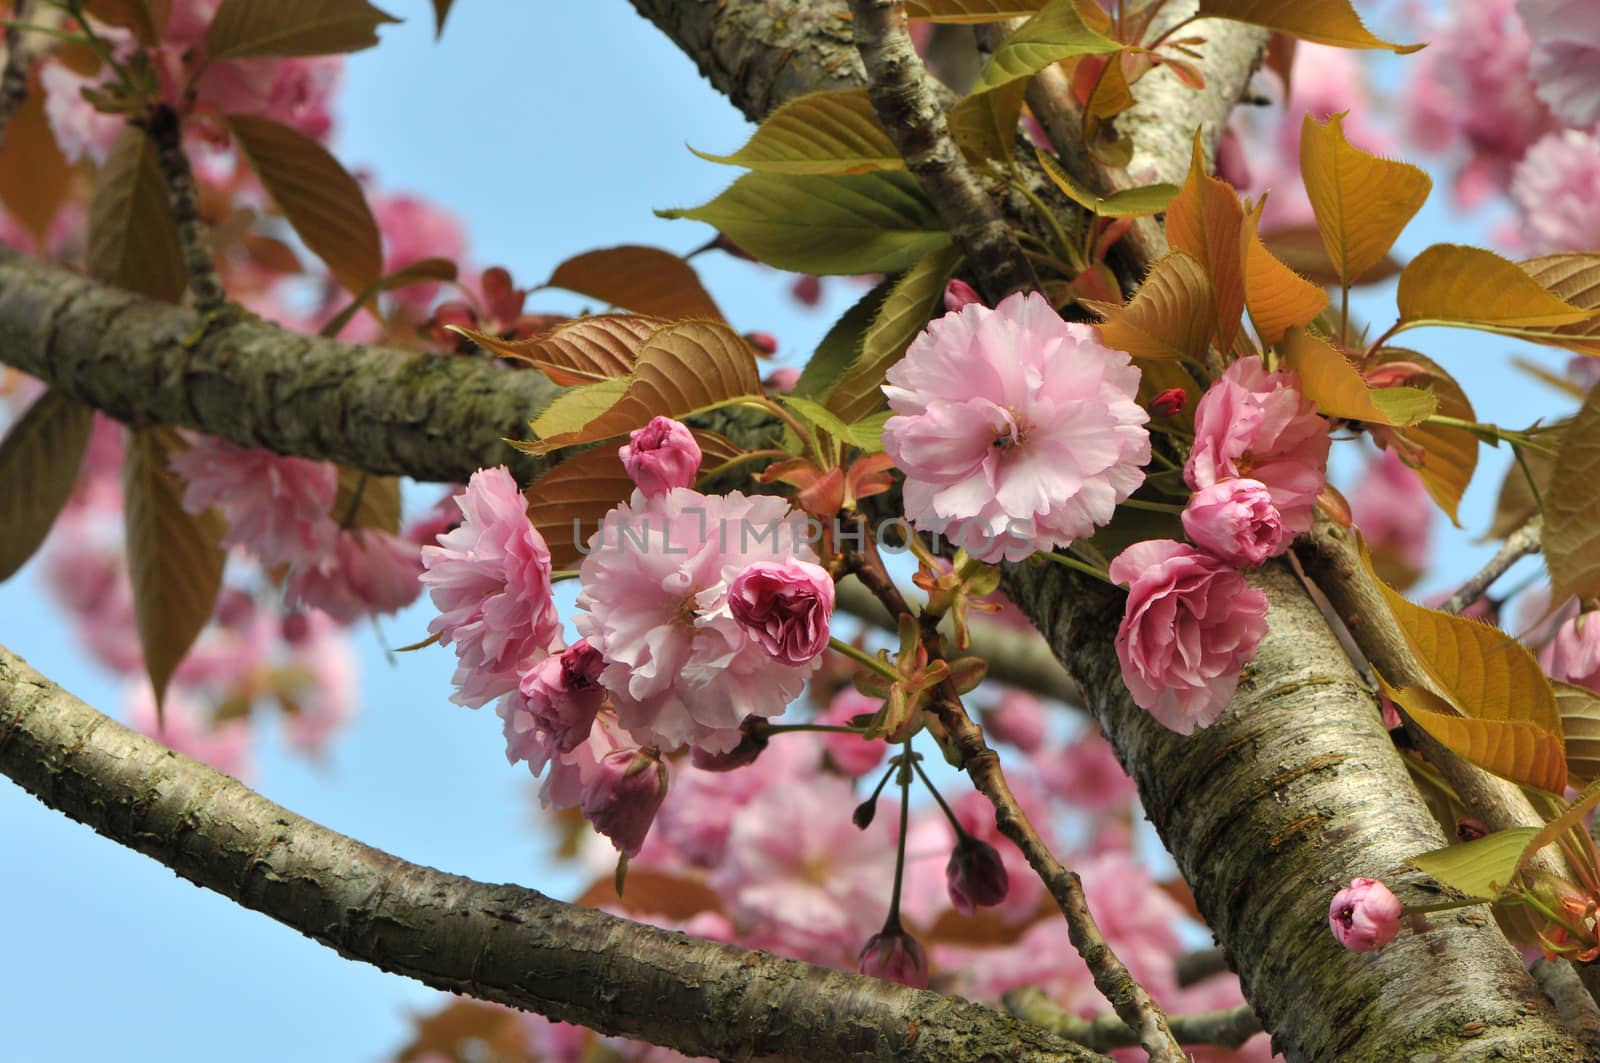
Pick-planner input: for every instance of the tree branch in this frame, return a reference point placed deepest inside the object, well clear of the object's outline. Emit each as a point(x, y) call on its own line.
point(907, 104)
point(432, 417)
point(500, 943)
point(1518, 545)
point(1228, 1028)
point(166, 132)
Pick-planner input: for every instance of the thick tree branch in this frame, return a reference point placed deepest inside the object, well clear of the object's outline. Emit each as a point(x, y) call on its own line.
point(907, 103)
point(433, 417)
point(500, 943)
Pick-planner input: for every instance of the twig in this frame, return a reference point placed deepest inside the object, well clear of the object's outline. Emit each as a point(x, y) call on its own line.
point(1228, 1028)
point(1111, 976)
point(907, 105)
point(1518, 545)
point(1199, 965)
point(20, 57)
point(165, 130)
point(1568, 992)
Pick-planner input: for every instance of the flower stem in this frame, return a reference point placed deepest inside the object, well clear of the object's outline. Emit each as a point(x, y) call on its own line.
point(1080, 566)
point(865, 659)
point(949, 813)
point(904, 780)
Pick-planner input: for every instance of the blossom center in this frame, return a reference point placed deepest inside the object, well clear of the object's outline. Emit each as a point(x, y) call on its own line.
point(1010, 433)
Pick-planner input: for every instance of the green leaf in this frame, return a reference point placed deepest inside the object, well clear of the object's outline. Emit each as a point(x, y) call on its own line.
point(39, 460)
point(1572, 817)
point(249, 28)
point(1129, 203)
point(862, 223)
point(867, 433)
point(1580, 731)
point(833, 132)
point(1171, 316)
point(571, 410)
point(174, 559)
point(915, 298)
point(646, 280)
point(1468, 287)
point(1405, 406)
point(1572, 508)
point(367, 501)
point(970, 11)
point(1055, 33)
point(319, 197)
point(984, 125)
point(133, 242)
point(1479, 868)
point(818, 416)
point(1332, 22)
point(842, 345)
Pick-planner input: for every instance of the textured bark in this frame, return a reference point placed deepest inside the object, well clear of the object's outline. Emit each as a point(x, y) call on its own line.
point(1269, 811)
point(494, 942)
point(433, 417)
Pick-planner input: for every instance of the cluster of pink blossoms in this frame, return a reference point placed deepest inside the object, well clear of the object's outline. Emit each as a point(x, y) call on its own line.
point(697, 612)
point(1258, 463)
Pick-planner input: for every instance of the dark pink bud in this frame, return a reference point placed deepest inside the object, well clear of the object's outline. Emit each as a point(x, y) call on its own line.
point(1365, 915)
point(975, 876)
point(959, 293)
point(623, 795)
point(785, 606)
point(661, 456)
point(894, 955)
point(865, 812)
point(1469, 829)
point(563, 693)
point(782, 379)
point(807, 290)
point(1169, 403)
point(765, 342)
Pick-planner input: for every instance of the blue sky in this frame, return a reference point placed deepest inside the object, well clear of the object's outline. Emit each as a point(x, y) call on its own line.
point(552, 128)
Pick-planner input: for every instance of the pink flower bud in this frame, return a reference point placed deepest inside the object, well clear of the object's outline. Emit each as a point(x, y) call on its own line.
point(785, 607)
point(1470, 829)
point(1169, 403)
point(765, 342)
point(894, 955)
point(660, 456)
point(782, 379)
point(1365, 915)
point(1235, 521)
point(564, 693)
point(975, 876)
point(807, 290)
point(1575, 651)
point(959, 293)
point(622, 796)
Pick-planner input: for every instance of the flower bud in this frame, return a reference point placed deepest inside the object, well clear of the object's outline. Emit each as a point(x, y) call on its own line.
point(1235, 521)
point(783, 379)
point(563, 694)
point(1365, 915)
point(765, 342)
point(1169, 403)
point(975, 875)
point(660, 456)
point(894, 955)
point(622, 797)
point(1575, 651)
point(785, 606)
point(959, 293)
point(865, 812)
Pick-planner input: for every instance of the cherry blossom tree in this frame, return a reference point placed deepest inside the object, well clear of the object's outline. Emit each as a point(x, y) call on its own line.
point(1049, 505)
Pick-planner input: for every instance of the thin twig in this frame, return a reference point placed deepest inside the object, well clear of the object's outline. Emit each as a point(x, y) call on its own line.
point(907, 105)
point(166, 131)
point(1199, 965)
point(1228, 1028)
point(1111, 976)
point(1518, 545)
point(20, 58)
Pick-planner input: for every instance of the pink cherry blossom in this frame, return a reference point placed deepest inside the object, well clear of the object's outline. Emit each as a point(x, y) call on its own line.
point(1087, 775)
point(1364, 915)
point(622, 794)
point(1018, 718)
point(811, 886)
point(81, 131)
point(680, 667)
point(660, 456)
point(1394, 512)
point(1565, 65)
point(785, 607)
point(850, 753)
point(975, 877)
point(184, 727)
point(1575, 651)
point(326, 698)
point(703, 806)
point(490, 580)
point(1016, 430)
point(1235, 522)
point(293, 92)
point(1556, 188)
point(1191, 623)
point(368, 572)
point(278, 508)
point(562, 694)
point(414, 229)
point(1256, 424)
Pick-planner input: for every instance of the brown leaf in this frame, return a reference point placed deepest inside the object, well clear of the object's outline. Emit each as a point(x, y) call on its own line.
point(654, 893)
point(603, 347)
point(39, 460)
point(133, 242)
point(1278, 298)
point(146, 18)
point(1451, 453)
point(1331, 22)
point(35, 178)
point(422, 271)
point(1572, 509)
point(319, 197)
point(1362, 201)
point(249, 28)
point(567, 503)
point(1300, 248)
point(1512, 749)
point(646, 280)
point(1468, 287)
point(367, 501)
point(1172, 315)
point(467, 1029)
point(682, 368)
point(441, 11)
point(271, 253)
point(961, 11)
point(174, 559)
point(1329, 380)
point(1575, 279)
point(1580, 731)
point(1206, 220)
point(1515, 505)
